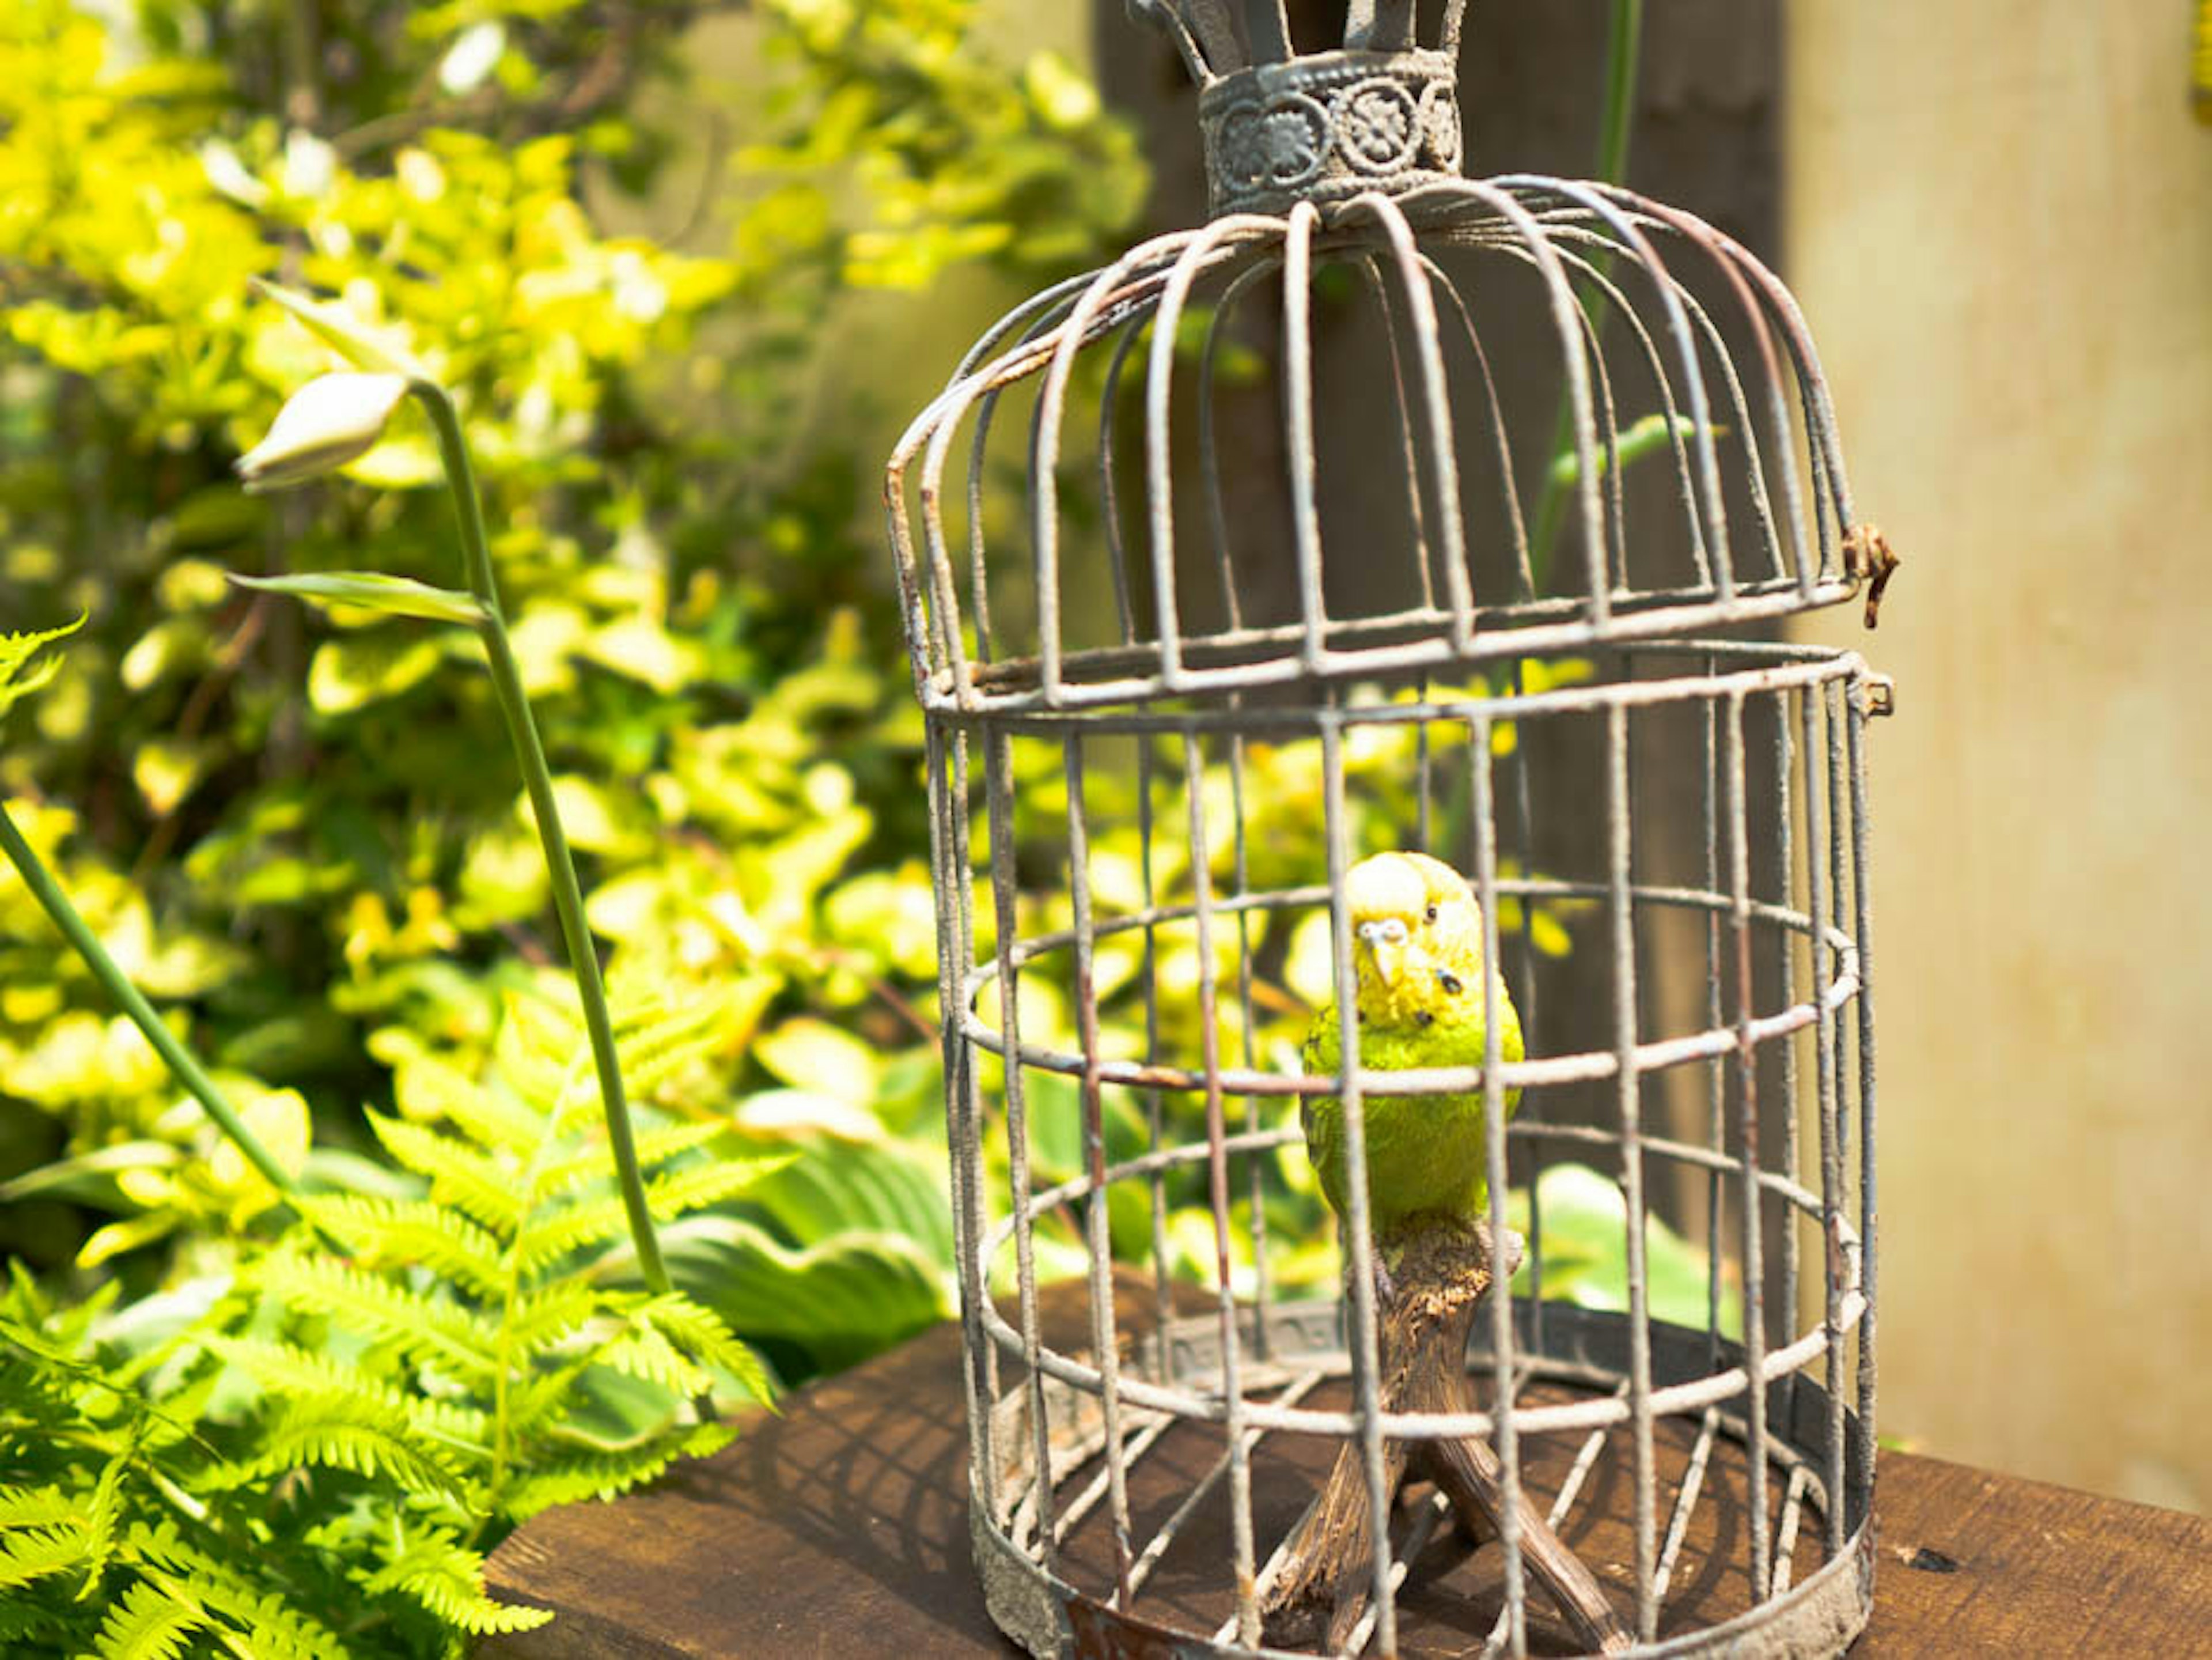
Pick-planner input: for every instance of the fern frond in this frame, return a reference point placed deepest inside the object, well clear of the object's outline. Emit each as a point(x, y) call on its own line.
point(38, 1507)
point(655, 1147)
point(538, 1050)
point(412, 1233)
point(146, 1623)
point(551, 1233)
point(374, 1449)
point(604, 1475)
point(707, 1337)
point(428, 1089)
point(483, 1186)
point(288, 1370)
point(654, 1045)
point(413, 1324)
point(192, 1575)
point(17, 649)
point(643, 1351)
point(105, 1510)
point(539, 1319)
point(30, 1553)
point(678, 1193)
point(446, 1577)
point(543, 1242)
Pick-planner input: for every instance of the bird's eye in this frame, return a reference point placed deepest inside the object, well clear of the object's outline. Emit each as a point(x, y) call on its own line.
point(1430, 914)
point(1450, 983)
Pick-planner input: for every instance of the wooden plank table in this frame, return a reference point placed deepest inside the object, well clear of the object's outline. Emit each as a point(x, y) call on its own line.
point(840, 1527)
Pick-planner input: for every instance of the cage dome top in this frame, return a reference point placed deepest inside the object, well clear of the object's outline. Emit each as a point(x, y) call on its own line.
point(1380, 114)
point(1374, 419)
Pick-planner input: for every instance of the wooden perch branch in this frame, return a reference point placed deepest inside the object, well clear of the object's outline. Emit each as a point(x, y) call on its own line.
point(1440, 1277)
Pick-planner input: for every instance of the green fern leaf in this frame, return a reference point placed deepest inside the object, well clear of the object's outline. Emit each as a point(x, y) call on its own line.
point(376, 1451)
point(643, 1351)
point(146, 1623)
point(30, 1553)
point(17, 649)
point(542, 1318)
point(428, 1088)
point(655, 1147)
point(703, 1334)
point(190, 1575)
point(410, 1233)
point(678, 1192)
point(413, 1324)
point(654, 1045)
point(550, 1235)
point(483, 1186)
point(347, 1390)
point(107, 1509)
point(446, 1577)
point(604, 1219)
point(604, 1475)
point(38, 1507)
point(538, 1050)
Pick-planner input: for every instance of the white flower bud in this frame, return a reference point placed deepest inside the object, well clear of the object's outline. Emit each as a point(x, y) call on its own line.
point(326, 424)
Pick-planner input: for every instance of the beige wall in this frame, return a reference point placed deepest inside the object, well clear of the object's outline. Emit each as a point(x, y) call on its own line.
point(2000, 227)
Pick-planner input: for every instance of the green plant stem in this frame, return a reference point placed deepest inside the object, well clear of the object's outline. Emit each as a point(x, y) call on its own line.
point(561, 866)
point(174, 1055)
point(1624, 43)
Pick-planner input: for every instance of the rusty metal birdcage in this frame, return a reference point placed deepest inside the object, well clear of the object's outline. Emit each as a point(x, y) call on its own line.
point(1263, 602)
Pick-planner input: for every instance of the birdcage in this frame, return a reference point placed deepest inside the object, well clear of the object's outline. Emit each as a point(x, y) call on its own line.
point(1255, 555)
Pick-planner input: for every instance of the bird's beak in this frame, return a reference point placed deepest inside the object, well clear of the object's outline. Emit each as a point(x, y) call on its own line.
point(1386, 947)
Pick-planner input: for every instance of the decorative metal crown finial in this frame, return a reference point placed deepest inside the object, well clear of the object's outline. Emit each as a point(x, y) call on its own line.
point(1379, 114)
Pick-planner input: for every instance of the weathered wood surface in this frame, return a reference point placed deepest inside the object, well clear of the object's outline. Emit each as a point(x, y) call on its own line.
point(840, 1528)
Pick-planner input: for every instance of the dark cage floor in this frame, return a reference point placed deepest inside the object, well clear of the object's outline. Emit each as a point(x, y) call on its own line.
point(1451, 1601)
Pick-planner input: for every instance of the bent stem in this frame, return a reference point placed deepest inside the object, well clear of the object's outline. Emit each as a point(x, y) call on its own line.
point(1623, 42)
point(561, 866)
point(180, 1061)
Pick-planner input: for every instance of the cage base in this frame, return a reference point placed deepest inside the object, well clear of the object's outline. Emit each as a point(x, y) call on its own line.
point(1451, 1599)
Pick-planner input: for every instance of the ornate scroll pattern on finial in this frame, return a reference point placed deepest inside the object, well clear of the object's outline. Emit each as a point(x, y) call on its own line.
point(1324, 127)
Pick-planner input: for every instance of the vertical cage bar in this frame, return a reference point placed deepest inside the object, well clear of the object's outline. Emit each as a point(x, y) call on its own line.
point(1824, 1062)
point(1359, 1237)
point(948, 821)
point(1629, 1086)
point(999, 786)
point(1517, 527)
point(1409, 455)
point(1754, 1274)
point(1298, 427)
point(1864, 1002)
point(1154, 1106)
point(1524, 963)
point(1715, 1069)
point(1255, 1161)
point(1436, 411)
point(1110, 498)
point(1217, 1170)
point(1482, 811)
point(1786, 971)
point(1104, 1339)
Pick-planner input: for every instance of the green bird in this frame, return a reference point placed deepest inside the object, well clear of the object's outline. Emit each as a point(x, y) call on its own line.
point(1418, 956)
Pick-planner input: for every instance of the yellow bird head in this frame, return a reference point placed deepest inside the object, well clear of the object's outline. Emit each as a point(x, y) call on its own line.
point(1412, 922)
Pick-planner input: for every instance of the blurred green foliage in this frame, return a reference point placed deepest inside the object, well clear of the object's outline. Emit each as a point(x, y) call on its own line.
point(317, 884)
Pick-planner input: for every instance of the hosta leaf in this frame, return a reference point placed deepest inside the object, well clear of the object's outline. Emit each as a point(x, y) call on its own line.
point(391, 596)
point(841, 1300)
